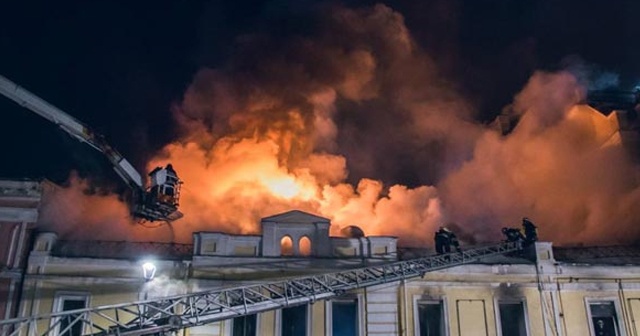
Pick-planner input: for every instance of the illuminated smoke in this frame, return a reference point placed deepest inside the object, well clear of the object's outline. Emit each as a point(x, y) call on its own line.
point(563, 166)
point(74, 213)
point(357, 96)
point(354, 123)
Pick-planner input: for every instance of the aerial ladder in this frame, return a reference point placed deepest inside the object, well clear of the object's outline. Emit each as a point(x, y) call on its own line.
point(157, 202)
point(169, 314)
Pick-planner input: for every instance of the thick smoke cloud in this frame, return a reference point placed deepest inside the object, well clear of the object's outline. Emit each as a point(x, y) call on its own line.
point(76, 211)
point(385, 93)
point(357, 99)
point(563, 165)
point(352, 121)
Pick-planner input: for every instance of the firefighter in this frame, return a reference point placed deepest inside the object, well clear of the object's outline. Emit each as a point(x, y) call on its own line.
point(445, 240)
point(164, 185)
point(453, 241)
point(441, 239)
point(530, 231)
point(170, 170)
point(512, 234)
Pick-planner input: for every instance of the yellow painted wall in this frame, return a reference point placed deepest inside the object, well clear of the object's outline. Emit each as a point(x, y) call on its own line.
point(634, 313)
point(267, 323)
point(474, 308)
point(99, 295)
point(470, 299)
point(318, 318)
point(534, 311)
point(213, 329)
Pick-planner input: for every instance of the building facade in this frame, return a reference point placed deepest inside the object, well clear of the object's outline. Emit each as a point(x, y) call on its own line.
point(543, 291)
point(19, 201)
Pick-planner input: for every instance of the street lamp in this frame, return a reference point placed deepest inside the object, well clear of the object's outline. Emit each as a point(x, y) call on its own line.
point(148, 270)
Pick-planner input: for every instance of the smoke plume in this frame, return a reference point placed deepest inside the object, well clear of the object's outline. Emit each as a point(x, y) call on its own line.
point(76, 211)
point(563, 165)
point(353, 122)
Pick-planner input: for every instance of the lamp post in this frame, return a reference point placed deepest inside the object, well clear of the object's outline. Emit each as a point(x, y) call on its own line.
point(148, 271)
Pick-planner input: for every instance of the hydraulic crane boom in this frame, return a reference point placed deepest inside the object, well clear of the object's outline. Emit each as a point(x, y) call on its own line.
point(195, 309)
point(70, 125)
point(160, 202)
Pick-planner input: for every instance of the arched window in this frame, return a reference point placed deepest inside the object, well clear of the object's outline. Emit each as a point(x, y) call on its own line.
point(286, 246)
point(304, 244)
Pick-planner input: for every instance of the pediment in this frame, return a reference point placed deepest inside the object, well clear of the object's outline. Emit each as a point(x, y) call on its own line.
point(295, 216)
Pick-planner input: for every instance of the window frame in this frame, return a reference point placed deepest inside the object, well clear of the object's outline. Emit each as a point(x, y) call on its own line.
point(230, 325)
point(278, 324)
point(588, 301)
point(58, 305)
point(418, 299)
point(328, 313)
point(514, 300)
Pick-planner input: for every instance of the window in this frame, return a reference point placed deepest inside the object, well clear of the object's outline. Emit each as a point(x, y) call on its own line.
point(604, 319)
point(245, 325)
point(431, 319)
point(380, 250)
point(304, 244)
point(286, 246)
point(512, 319)
point(293, 321)
point(71, 324)
point(209, 247)
point(344, 318)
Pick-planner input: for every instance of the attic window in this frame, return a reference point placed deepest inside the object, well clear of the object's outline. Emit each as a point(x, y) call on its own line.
point(286, 246)
point(305, 246)
point(209, 247)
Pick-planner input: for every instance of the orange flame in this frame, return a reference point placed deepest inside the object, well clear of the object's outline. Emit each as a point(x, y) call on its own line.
point(241, 182)
point(264, 141)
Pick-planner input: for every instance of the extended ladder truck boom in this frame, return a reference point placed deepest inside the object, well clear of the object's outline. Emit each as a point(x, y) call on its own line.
point(159, 202)
point(174, 313)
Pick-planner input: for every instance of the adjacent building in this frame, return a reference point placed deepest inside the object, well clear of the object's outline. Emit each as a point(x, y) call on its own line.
point(19, 201)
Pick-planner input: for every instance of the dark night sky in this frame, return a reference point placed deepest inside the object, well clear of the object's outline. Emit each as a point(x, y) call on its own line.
point(119, 65)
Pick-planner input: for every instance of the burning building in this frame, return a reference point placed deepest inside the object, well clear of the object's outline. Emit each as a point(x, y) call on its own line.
point(279, 283)
point(353, 126)
point(355, 123)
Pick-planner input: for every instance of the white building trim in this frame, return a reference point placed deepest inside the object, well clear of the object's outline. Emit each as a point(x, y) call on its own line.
point(621, 327)
point(510, 300)
point(360, 304)
point(61, 297)
point(418, 299)
point(278, 321)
